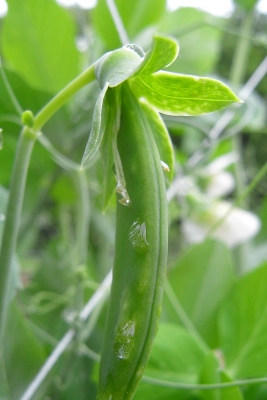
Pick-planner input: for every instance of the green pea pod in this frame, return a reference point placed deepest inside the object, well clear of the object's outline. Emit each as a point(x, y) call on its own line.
point(140, 258)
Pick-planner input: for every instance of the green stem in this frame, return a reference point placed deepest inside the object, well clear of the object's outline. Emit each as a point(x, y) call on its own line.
point(241, 54)
point(210, 386)
point(62, 97)
point(10, 92)
point(12, 221)
point(118, 22)
point(17, 188)
point(237, 74)
point(83, 211)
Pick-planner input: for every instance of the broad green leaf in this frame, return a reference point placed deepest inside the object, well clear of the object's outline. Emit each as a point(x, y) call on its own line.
point(233, 393)
point(117, 66)
point(98, 127)
point(175, 94)
point(212, 372)
point(163, 52)
point(243, 326)
point(176, 357)
point(39, 43)
point(199, 42)
point(201, 279)
point(161, 136)
point(136, 15)
point(23, 353)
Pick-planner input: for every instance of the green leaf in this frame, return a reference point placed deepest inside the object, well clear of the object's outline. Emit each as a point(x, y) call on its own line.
point(117, 66)
point(243, 325)
point(199, 42)
point(136, 15)
point(98, 127)
point(233, 393)
point(39, 43)
point(211, 373)
point(201, 280)
point(175, 357)
point(162, 138)
point(23, 353)
point(175, 94)
point(163, 52)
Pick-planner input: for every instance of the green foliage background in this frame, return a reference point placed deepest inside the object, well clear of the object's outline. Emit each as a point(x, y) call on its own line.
point(213, 326)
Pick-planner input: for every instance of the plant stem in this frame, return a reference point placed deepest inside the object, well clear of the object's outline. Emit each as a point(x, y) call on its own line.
point(241, 55)
point(12, 221)
point(238, 70)
point(17, 188)
point(83, 211)
point(209, 386)
point(118, 22)
point(62, 97)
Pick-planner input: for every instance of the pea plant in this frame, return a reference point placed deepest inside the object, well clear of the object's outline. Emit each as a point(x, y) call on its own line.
point(128, 172)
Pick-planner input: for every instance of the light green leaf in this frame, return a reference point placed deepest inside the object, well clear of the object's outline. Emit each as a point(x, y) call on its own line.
point(98, 128)
point(23, 353)
point(117, 66)
point(163, 52)
point(201, 280)
point(175, 357)
point(136, 15)
point(243, 326)
point(175, 94)
point(162, 138)
point(39, 43)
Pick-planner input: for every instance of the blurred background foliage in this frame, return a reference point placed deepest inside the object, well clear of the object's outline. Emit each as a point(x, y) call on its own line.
point(214, 317)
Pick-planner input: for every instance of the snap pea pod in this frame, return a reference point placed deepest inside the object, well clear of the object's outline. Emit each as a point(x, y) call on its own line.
point(140, 258)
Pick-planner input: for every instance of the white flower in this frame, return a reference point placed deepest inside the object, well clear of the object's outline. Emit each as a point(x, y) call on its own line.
point(236, 227)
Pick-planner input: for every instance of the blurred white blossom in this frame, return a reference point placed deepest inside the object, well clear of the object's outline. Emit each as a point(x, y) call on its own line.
point(203, 195)
point(237, 227)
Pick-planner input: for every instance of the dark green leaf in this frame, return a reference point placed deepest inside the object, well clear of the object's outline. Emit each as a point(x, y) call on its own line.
point(201, 280)
point(98, 128)
point(136, 15)
point(162, 137)
point(175, 94)
point(163, 52)
point(38, 43)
